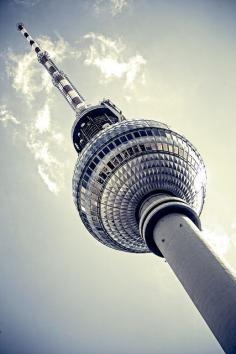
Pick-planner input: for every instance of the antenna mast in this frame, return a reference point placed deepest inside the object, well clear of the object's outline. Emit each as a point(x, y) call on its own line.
point(59, 79)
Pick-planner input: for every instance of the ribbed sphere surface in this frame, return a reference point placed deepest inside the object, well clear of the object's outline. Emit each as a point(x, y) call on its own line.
point(124, 163)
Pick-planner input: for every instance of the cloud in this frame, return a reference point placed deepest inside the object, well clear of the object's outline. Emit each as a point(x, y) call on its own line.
point(52, 186)
point(115, 7)
point(27, 75)
point(44, 141)
point(42, 123)
point(7, 117)
point(41, 136)
point(28, 3)
point(218, 240)
point(108, 56)
point(41, 140)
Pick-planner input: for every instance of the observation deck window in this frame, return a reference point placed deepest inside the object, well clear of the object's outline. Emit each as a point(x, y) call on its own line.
point(162, 133)
point(106, 150)
point(92, 165)
point(89, 171)
point(143, 133)
point(111, 146)
point(117, 142)
point(129, 136)
point(101, 154)
point(123, 139)
point(155, 131)
point(96, 160)
point(149, 132)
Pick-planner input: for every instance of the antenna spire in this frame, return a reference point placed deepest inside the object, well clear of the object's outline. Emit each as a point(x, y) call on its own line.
point(59, 79)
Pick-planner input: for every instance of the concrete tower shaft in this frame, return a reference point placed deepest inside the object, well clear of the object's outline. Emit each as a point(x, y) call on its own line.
point(171, 230)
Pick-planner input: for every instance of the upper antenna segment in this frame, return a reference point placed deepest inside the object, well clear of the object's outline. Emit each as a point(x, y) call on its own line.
point(59, 79)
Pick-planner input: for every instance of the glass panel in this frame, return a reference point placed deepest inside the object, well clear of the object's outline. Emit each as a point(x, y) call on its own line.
point(105, 150)
point(136, 134)
point(101, 154)
point(117, 142)
point(111, 146)
point(92, 165)
point(129, 136)
point(143, 133)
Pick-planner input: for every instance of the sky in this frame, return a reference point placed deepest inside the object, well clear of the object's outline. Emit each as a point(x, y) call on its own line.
point(173, 61)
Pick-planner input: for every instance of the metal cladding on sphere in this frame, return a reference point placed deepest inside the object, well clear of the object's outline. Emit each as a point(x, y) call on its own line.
point(123, 164)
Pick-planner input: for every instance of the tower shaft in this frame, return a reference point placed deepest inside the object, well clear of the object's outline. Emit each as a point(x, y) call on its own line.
point(208, 280)
point(59, 79)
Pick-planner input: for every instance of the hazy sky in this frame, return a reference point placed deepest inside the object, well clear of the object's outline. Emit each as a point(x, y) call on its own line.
point(171, 60)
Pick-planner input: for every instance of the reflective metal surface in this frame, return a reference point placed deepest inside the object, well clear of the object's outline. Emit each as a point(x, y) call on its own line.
point(120, 166)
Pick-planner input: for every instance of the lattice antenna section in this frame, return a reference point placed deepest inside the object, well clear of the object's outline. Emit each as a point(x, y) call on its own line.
point(59, 79)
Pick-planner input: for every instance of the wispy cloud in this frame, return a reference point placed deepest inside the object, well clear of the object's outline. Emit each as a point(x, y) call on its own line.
point(115, 7)
point(42, 123)
point(7, 117)
point(41, 140)
point(109, 57)
point(42, 136)
point(28, 3)
point(218, 239)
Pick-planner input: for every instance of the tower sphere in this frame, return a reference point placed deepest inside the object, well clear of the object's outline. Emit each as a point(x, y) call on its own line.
point(121, 163)
point(124, 163)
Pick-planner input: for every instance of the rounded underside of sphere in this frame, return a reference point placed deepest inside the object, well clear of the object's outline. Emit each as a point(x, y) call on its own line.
point(126, 162)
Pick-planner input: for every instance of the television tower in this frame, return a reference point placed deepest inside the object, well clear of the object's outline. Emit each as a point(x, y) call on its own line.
point(140, 187)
